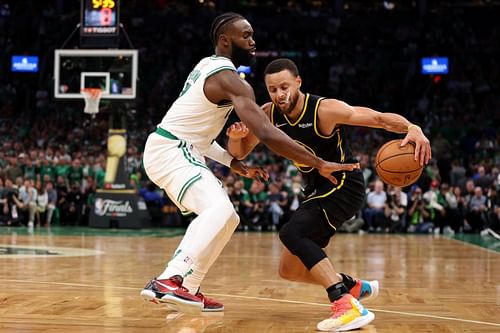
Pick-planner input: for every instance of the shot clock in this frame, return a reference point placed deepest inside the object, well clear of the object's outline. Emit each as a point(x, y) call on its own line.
point(100, 17)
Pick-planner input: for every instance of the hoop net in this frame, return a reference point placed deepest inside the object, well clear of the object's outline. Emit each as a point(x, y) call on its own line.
point(92, 97)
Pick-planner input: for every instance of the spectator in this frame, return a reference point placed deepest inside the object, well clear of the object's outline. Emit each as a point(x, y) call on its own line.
point(28, 197)
point(51, 201)
point(42, 202)
point(420, 213)
point(395, 210)
point(10, 204)
point(476, 209)
point(454, 212)
point(276, 205)
point(376, 202)
point(254, 202)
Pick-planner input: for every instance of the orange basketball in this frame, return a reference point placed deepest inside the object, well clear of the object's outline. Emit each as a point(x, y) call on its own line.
point(396, 165)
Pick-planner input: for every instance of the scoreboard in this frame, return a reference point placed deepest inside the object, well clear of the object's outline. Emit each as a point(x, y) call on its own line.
point(100, 17)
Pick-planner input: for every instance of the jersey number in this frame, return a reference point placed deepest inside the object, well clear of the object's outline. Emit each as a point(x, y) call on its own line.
point(193, 76)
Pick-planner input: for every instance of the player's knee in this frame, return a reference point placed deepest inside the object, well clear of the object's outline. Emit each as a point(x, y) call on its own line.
point(289, 236)
point(286, 273)
point(234, 220)
point(226, 208)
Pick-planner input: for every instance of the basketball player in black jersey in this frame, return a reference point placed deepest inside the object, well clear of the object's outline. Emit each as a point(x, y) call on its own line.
point(316, 123)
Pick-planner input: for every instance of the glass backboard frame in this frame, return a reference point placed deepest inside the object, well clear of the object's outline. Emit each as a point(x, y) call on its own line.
point(92, 73)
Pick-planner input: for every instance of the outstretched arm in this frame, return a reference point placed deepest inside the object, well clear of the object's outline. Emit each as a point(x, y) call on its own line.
point(226, 85)
point(333, 112)
point(241, 140)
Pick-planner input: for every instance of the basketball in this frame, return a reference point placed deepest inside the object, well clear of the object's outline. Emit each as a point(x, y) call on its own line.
point(396, 165)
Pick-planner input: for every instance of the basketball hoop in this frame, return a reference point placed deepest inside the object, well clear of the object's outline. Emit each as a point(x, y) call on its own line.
point(92, 97)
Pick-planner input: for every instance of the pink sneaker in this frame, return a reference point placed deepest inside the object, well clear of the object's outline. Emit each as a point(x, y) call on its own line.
point(347, 314)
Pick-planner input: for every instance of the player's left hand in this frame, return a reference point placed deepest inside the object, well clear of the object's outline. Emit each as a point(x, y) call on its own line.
point(255, 173)
point(237, 130)
point(423, 151)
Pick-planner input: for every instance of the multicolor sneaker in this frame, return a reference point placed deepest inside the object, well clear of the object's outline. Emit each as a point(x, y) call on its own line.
point(347, 314)
point(365, 290)
point(171, 292)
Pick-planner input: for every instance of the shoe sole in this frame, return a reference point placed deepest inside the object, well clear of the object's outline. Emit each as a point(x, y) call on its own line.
point(182, 305)
point(354, 324)
point(357, 323)
point(204, 309)
point(173, 302)
point(150, 296)
point(375, 290)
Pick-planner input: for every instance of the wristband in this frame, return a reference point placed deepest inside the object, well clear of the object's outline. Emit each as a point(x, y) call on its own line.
point(219, 154)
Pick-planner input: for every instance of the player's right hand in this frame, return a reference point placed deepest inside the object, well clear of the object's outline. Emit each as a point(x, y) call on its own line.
point(237, 130)
point(256, 173)
point(327, 168)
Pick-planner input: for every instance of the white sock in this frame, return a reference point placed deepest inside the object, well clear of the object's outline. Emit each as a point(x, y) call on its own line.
point(207, 234)
point(193, 280)
point(180, 264)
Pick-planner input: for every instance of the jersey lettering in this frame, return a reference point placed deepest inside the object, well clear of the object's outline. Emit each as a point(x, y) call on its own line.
point(193, 76)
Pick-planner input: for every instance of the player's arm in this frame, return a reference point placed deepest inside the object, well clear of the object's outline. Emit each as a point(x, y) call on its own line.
point(333, 112)
point(241, 140)
point(219, 154)
point(227, 86)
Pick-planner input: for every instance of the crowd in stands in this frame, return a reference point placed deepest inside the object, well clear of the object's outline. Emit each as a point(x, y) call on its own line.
point(52, 157)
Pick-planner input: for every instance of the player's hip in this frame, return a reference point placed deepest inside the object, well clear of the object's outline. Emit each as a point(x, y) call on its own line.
point(342, 201)
point(168, 158)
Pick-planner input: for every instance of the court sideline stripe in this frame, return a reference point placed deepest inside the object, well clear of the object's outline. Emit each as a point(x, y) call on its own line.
point(264, 299)
point(473, 245)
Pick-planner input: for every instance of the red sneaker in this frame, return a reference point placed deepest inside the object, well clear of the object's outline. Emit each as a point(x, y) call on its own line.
point(171, 292)
point(210, 305)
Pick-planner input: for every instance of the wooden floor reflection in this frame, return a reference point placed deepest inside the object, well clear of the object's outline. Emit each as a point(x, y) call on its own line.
point(428, 284)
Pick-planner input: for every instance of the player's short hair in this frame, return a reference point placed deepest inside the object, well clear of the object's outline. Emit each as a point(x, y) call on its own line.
point(220, 23)
point(281, 64)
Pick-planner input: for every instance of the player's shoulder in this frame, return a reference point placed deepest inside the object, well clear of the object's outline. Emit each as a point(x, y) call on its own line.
point(267, 108)
point(328, 101)
point(331, 105)
point(219, 61)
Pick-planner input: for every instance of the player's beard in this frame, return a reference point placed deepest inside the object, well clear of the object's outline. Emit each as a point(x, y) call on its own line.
point(242, 56)
point(291, 106)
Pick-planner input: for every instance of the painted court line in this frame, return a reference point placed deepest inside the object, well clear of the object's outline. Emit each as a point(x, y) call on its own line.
point(371, 309)
point(411, 314)
point(473, 245)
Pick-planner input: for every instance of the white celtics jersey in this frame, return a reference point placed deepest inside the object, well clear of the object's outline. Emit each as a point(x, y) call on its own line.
point(193, 117)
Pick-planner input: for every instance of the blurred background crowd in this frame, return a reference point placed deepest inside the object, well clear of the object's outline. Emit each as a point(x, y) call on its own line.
point(53, 157)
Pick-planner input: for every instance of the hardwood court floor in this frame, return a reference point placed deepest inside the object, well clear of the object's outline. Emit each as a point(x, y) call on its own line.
point(428, 285)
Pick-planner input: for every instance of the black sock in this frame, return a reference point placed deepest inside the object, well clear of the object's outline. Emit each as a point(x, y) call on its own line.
point(348, 281)
point(336, 291)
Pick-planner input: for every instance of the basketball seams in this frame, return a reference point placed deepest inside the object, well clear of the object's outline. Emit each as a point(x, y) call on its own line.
point(392, 156)
point(398, 156)
point(410, 171)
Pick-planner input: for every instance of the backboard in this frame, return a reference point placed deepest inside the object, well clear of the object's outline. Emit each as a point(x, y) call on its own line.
point(113, 71)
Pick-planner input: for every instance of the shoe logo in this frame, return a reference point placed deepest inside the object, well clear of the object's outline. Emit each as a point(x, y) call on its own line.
point(167, 286)
point(280, 125)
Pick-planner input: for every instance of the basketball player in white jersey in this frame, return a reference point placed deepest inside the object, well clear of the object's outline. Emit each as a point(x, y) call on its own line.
point(174, 160)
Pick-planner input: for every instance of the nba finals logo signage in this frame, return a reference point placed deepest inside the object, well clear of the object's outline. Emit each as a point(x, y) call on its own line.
point(108, 207)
